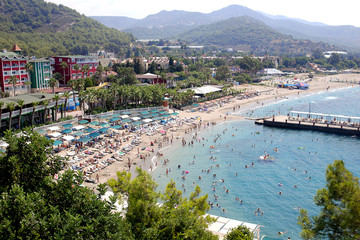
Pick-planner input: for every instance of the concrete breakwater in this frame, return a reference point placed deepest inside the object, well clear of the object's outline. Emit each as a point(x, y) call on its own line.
point(286, 122)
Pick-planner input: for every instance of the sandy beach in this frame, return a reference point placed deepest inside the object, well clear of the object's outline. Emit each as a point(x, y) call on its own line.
point(191, 120)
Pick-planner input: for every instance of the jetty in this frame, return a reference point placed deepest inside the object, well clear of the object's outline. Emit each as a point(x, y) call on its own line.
point(337, 124)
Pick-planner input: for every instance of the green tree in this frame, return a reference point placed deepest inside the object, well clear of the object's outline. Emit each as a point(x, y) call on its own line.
point(222, 73)
point(64, 66)
point(46, 104)
point(72, 84)
point(56, 98)
point(239, 233)
point(34, 205)
point(13, 80)
point(11, 107)
point(66, 96)
point(339, 207)
point(34, 104)
point(76, 68)
point(53, 82)
point(177, 218)
point(1, 107)
point(85, 69)
point(20, 104)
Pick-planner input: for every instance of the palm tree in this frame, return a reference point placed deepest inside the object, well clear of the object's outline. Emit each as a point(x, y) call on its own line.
point(28, 83)
point(45, 103)
point(72, 84)
point(56, 98)
point(64, 66)
point(11, 107)
point(34, 104)
point(67, 96)
point(1, 106)
point(53, 82)
point(20, 104)
point(29, 67)
point(106, 69)
point(76, 68)
point(13, 80)
point(85, 69)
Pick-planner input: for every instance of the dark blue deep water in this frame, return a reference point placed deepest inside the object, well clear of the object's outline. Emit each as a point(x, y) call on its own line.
point(258, 186)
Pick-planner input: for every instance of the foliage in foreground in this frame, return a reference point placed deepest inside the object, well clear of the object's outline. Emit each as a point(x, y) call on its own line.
point(176, 218)
point(340, 207)
point(240, 233)
point(35, 206)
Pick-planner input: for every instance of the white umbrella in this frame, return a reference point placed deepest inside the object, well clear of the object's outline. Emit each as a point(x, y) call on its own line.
point(135, 118)
point(55, 134)
point(124, 116)
point(78, 127)
point(3, 144)
point(54, 128)
point(147, 120)
point(68, 138)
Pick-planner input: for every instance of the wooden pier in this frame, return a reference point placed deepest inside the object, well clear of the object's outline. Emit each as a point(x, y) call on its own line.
point(286, 122)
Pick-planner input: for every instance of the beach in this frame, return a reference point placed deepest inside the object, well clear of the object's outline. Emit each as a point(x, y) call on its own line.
point(188, 121)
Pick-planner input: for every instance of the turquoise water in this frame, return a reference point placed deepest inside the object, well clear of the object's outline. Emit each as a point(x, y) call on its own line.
point(258, 185)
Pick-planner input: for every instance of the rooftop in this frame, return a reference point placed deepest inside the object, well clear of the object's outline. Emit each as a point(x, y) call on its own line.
point(28, 98)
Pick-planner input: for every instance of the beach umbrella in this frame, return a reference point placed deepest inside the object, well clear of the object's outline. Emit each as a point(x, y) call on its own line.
point(3, 144)
point(146, 116)
point(90, 129)
point(57, 143)
point(103, 130)
point(94, 135)
point(66, 131)
point(175, 114)
point(41, 131)
point(104, 125)
point(117, 127)
point(124, 116)
point(54, 128)
point(78, 134)
point(67, 125)
point(124, 113)
point(167, 115)
point(78, 127)
point(137, 123)
point(157, 118)
point(147, 120)
point(144, 112)
point(135, 118)
point(116, 115)
point(83, 121)
point(163, 112)
point(126, 120)
point(94, 123)
point(154, 114)
point(85, 139)
point(68, 138)
point(115, 119)
point(55, 134)
point(155, 110)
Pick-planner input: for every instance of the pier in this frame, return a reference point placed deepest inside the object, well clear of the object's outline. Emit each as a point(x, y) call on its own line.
point(337, 124)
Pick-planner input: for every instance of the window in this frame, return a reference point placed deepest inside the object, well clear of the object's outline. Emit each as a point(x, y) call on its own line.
point(73, 60)
point(15, 65)
point(6, 65)
point(90, 74)
point(73, 76)
point(24, 79)
point(60, 59)
point(22, 65)
point(14, 72)
point(79, 74)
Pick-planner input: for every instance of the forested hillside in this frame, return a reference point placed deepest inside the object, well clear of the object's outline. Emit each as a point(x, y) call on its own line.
point(45, 29)
point(248, 34)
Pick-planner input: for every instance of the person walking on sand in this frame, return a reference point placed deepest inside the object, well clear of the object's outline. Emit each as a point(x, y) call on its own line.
point(97, 178)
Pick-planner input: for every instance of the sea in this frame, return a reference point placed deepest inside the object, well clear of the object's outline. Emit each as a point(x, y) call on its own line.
point(301, 160)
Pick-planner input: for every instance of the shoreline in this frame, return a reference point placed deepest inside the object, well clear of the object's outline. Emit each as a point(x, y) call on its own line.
point(221, 114)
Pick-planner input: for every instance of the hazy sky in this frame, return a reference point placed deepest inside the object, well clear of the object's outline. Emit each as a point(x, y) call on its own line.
point(343, 12)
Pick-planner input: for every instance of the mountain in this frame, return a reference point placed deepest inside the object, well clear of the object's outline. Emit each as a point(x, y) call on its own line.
point(161, 24)
point(251, 35)
point(46, 29)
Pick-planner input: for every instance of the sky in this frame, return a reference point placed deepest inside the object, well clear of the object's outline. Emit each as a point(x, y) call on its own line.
point(331, 12)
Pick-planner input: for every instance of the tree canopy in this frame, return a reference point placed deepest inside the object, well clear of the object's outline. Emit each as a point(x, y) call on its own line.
point(339, 206)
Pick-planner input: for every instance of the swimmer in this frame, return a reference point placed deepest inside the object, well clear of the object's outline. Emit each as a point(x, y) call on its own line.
point(280, 193)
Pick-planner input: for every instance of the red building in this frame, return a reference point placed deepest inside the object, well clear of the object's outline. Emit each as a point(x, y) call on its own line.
point(13, 64)
point(71, 61)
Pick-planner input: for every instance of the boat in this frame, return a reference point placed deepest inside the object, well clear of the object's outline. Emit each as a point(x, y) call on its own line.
point(267, 158)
